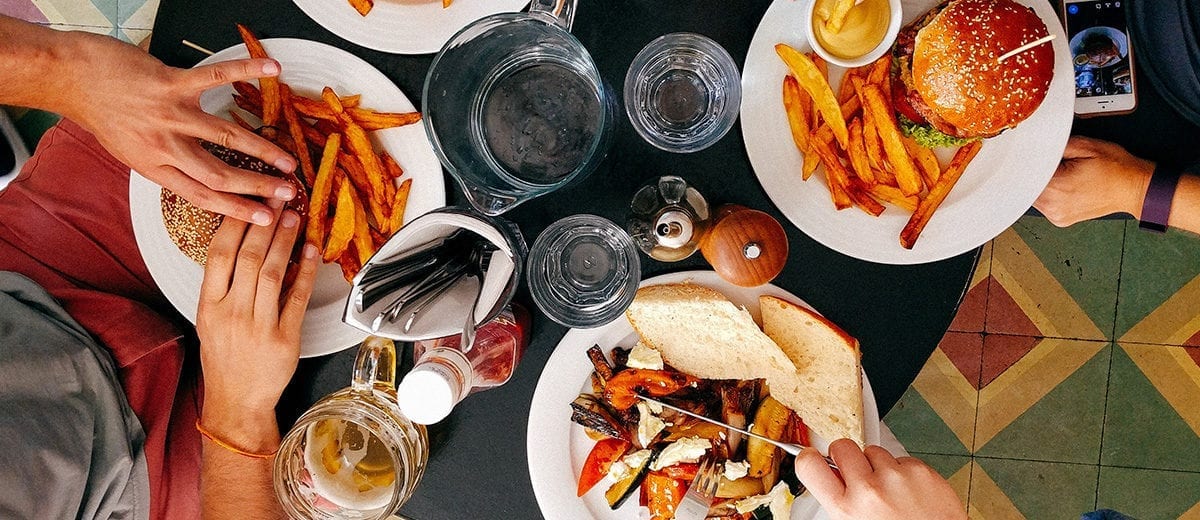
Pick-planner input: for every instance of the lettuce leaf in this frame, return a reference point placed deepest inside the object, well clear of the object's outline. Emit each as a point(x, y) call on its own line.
point(927, 136)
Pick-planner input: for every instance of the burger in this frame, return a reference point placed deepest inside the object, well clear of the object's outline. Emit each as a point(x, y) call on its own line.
point(948, 85)
point(192, 228)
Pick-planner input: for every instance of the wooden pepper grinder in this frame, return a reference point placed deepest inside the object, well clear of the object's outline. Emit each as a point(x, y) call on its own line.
point(745, 246)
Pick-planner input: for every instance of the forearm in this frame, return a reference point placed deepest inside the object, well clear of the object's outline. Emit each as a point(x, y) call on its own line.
point(233, 485)
point(1185, 207)
point(40, 66)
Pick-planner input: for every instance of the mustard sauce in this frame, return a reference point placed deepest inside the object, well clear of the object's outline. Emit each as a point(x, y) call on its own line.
point(866, 25)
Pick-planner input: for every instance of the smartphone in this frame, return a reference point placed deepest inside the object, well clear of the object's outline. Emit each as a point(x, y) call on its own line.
point(1102, 56)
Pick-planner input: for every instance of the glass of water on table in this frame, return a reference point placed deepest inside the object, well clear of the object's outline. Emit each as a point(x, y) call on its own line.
point(515, 106)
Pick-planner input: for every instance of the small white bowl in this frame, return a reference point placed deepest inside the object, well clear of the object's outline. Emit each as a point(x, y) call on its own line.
point(885, 45)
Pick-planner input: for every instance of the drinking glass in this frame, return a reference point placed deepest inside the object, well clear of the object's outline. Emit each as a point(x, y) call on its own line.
point(583, 271)
point(683, 92)
point(515, 106)
point(353, 454)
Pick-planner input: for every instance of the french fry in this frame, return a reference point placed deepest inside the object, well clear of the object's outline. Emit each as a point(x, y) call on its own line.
point(797, 117)
point(269, 86)
point(349, 263)
point(926, 161)
point(368, 119)
point(893, 145)
point(810, 77)
point(892, 195)
point(398, 206)
point(362, 6)
point(872, 144)
point(446, 3)
point(390, 165)
point(322, 187)
point(835, 174)
point(363, 245)
point(360, 144)
point(846, 89)
point(863, 200)
point(341, 230)
point(837, 18)
point(820, 63)
point(880, 69)
point(937, 194)
point(371, 120)
point(297, 134)
point(858, 153)
point(351, 101)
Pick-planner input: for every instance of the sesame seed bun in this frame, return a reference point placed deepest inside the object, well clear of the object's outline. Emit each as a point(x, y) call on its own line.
point(192, 228)
point(966, 92)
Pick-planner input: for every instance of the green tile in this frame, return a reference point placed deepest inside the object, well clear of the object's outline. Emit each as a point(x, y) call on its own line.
point(1052, 490)
point(1085, 258)
point(1141, 428)
point(919, 428)
point(1149, 493)
point(1155, 267)
point(946, 465)
point(1062, 426)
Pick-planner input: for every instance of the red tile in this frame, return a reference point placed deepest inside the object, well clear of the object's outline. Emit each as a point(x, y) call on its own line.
point(1001, 352)
point(1004, 315)
point(964, 350)
point(972, 310)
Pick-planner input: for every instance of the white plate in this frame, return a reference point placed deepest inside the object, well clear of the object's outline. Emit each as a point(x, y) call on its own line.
point(403, 26)
point(307, 67)
point(998, 187)
point(558, 447)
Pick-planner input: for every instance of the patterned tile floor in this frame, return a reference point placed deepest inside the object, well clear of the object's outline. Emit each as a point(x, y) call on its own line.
point(1069, 381)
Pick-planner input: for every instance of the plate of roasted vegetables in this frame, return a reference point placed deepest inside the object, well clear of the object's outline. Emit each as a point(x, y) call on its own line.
point(598, 451)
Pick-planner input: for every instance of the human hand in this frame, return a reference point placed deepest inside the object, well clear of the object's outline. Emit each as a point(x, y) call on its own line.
point(148, 116)
point(249, 336)
point(873, 484)
point(1094, 179)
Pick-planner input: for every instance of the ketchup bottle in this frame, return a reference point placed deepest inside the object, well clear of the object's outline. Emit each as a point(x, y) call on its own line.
point(444, 373)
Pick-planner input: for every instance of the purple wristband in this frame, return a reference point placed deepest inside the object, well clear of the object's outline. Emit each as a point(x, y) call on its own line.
point(1156, 208)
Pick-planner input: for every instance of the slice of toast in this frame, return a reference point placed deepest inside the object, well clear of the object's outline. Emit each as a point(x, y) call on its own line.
point(701, 333)
point(826, 390)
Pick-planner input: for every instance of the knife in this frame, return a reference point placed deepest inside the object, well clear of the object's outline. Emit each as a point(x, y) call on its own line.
point(791, 449)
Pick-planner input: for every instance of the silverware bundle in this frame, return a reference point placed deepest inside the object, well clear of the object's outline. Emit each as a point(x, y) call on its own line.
point(412, 282)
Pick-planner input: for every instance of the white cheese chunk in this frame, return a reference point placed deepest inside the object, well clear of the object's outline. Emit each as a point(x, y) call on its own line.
point(736, 470)
point(649, 425)
point(618, 470)
point(636, 459)
point(688, 449)
point(642, 356)
point(778, 501)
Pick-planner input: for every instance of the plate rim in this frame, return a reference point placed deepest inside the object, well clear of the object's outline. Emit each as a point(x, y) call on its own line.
point(548, 408)
point(401, 17)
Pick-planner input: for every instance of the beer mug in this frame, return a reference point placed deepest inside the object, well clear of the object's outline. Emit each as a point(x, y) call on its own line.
point(515, 106)
point(353, 454)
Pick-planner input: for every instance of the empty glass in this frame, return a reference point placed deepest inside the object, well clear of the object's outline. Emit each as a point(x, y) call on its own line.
point(583, 271)
point(515, 106)
point(683, 92)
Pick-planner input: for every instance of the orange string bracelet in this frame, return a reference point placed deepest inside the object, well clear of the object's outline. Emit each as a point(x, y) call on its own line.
point(208, 435)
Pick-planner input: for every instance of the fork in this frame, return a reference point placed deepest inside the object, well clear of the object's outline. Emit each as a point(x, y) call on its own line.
point(700, 495)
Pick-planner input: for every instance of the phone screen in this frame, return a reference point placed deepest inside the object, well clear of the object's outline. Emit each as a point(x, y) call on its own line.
point(1100, 48)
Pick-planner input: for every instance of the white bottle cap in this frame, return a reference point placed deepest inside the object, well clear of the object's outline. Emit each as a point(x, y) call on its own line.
point(428, 393)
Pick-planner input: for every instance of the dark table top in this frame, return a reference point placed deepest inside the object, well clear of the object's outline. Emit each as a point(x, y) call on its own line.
point(477, 468)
